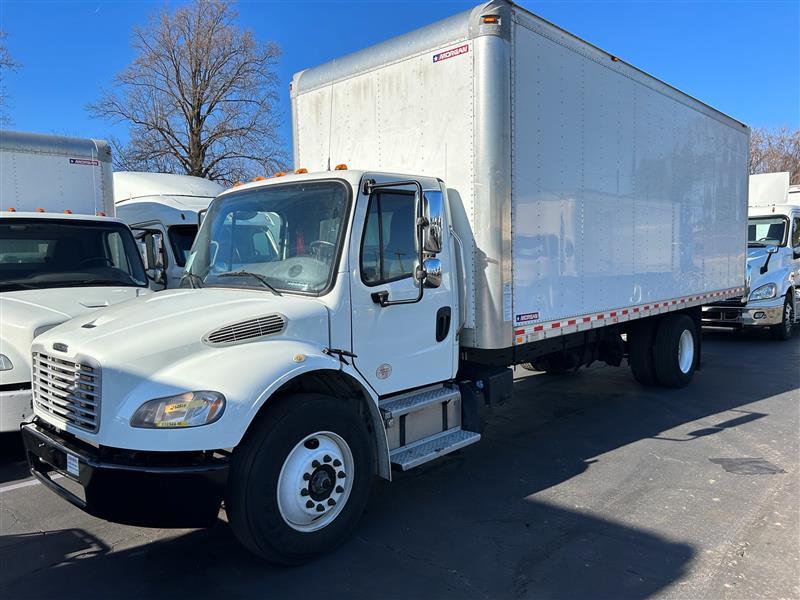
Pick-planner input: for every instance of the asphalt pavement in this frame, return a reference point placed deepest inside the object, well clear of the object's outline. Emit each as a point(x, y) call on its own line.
point(586, 485)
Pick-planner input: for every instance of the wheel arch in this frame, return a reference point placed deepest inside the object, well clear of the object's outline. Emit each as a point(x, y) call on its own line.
point(342, 385)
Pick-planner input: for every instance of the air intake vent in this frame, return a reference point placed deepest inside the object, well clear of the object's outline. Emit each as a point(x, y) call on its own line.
point(246, 330)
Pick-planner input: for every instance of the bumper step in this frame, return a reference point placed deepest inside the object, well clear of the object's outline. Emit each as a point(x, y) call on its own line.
point(432, 447)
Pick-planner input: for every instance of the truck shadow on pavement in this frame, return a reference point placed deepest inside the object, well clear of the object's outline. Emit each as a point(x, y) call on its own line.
point(492, 520)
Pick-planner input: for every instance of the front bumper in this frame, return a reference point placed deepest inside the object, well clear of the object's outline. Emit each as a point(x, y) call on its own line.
point(15, 407)
point(150, 489)
point(755, 314)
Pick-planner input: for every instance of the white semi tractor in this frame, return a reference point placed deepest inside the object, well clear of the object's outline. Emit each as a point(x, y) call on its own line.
point(772, 301)
point(62, 254)
point(166, 207)
point(524, 197)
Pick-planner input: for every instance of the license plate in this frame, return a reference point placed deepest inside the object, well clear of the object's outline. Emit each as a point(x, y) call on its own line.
point(73, 465)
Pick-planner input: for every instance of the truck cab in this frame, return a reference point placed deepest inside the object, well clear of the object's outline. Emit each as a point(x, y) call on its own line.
point(54, 267)
point(773, 262)
point(166, 206)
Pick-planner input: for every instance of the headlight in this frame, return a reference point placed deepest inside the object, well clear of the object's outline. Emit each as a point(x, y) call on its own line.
point(191, 409)
point(765, 292)
point(5, 363)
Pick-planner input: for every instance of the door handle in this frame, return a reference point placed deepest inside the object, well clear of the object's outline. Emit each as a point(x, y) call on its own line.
point(443, 316)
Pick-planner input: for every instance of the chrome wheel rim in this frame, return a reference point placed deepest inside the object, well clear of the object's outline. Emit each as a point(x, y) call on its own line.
point(315, 481)
point(685, 351)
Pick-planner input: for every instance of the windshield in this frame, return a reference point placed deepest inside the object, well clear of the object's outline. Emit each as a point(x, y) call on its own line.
point(47, 253)
point(181, 238)
point(766, 231)
point(287, 235)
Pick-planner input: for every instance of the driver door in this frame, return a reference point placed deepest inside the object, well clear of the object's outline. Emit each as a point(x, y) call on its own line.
point(402, 346)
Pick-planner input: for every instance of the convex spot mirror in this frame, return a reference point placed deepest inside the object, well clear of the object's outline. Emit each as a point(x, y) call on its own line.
point(433, 272)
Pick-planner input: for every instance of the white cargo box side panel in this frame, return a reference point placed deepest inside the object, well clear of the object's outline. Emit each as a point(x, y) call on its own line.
point(55, 174)
point(623, 194)
point(414, 115)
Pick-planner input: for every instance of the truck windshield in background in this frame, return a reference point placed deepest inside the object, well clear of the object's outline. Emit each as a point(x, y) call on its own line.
point(287, 236)
point(766, 231)
point(181, 238)
point(49, 253)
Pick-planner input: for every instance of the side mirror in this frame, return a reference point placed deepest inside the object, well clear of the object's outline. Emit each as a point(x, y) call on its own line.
point(772, 249)
point(434, 209)
point(154, 256)
point(433, 272)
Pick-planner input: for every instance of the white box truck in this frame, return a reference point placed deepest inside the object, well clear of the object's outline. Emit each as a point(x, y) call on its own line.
point(772, 301)
point(525, 197)
point(61, 253)
point(167, 206)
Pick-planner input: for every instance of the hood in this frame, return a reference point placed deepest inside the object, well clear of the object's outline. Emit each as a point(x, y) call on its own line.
point(154, 331)
point(24, 313)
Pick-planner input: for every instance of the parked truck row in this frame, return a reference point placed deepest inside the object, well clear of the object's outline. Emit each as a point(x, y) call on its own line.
point(484, 192)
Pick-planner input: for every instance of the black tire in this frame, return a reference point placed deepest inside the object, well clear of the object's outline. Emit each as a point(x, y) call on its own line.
point(640, 352)
point(666, 351)
point(783, 330)
point(252, 498)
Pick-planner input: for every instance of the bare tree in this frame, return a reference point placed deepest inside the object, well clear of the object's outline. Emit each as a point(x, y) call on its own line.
point(774, 151)
point(6, 64)
point(200, 97)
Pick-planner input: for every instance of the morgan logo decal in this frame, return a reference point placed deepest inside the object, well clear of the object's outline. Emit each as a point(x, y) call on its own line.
point(83, 161)
point(451, 53)
point(383, 371)
point(527, 317)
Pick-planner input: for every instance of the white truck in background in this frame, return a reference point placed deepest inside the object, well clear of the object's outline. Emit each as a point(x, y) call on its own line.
point(61, 252)
point(525, 197)
point(167, 206)
point(773, 262)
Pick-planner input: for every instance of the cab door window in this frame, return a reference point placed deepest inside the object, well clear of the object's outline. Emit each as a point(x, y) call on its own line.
point(388, 248)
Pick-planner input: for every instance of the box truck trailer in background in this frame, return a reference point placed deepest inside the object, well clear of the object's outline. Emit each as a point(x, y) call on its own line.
point(522, 197)
point(772, 298)
point(61, 252)
point(167, 206)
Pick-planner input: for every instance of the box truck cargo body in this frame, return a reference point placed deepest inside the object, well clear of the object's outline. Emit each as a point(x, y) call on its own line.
point(586, 185)
point(484, 192)
point(60, 255)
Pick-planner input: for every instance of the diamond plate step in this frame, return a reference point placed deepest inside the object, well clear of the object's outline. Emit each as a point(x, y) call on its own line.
point(402, 405)
point(430, 448)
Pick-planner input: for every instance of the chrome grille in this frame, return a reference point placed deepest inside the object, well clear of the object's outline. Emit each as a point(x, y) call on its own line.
point(246, 330)
point(67, 390)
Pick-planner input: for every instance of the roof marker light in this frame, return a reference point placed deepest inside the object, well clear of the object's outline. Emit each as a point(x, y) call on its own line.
point(237, 184)
point(67, 211)
point(101, 213)
point(341, 167)
point(300, 171)
point(39, 210)
point(258, 178)
point(279, 174)
point(12, 209)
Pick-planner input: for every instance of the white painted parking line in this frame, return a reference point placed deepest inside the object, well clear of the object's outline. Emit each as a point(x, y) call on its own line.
point(23, 484)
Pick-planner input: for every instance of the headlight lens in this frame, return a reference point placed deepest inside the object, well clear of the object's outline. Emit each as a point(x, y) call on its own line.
point(765, 292)
point(5, 363)
point(191, 409)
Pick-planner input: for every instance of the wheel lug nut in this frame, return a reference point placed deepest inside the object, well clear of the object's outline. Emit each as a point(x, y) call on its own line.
point(309, 504)
point(339, 489)
point(331, 502)
point(326, 458)
point(320, 508)
point(337, 463)
point(306, 476)
point(341, 475)
point(304, 492)
point(315, 464)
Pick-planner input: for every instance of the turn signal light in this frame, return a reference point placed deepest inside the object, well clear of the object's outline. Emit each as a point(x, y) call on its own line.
point(341, 167)
point(237, 184)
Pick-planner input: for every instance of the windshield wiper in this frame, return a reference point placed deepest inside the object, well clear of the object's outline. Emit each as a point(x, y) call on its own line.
point(258, 276)
point(193, 278)
point(757, 244)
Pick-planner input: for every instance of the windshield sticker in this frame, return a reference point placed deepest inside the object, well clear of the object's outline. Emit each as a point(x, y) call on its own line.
point(451, 53)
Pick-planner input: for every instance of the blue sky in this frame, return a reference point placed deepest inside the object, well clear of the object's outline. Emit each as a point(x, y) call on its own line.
point(740, 57)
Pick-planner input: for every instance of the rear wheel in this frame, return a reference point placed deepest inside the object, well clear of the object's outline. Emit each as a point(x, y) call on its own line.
point(640, 352)
point(784, 329)
point(675, 351)
point(300, 480)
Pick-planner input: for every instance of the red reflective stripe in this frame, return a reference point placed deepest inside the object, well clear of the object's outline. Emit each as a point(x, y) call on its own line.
point(538, 328)
point(555, 325)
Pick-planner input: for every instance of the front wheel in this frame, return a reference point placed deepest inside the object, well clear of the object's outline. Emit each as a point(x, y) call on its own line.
point(300, 480)
point(783, 330)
